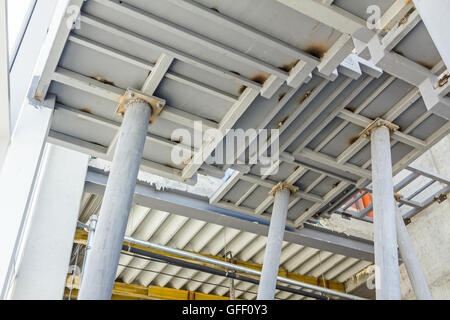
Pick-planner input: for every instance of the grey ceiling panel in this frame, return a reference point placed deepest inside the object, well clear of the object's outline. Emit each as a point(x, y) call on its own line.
point(233, 66)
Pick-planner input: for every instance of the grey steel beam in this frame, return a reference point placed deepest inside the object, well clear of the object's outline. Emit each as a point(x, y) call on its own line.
point(417, 206)
point(90, 228)
point(419, 191)
point(428, 174)
point(195, 207)
point(406, 181)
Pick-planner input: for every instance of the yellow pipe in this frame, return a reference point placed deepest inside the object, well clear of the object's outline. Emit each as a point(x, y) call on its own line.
point(81, 238)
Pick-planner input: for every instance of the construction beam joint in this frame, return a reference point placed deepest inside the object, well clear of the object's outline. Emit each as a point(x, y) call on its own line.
point(133, 96)
point(282, 186)
point(377, 124)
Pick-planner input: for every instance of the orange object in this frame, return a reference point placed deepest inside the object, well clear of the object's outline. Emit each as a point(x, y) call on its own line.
point(367, 201)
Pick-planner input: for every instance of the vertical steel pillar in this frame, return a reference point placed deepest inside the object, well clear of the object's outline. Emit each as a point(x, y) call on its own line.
point(268, 281)
point(387, 273)
point(101, 264)
point(412, 264)
point(41, 272)
point(17, 182)
point(434, 13)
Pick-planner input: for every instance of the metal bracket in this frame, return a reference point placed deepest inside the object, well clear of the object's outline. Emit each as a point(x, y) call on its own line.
point(379, 123)
point(33, 98)
point(91, 224)
point(282, 186)
point(131, 95)
point(443, 79)
point(406, 17)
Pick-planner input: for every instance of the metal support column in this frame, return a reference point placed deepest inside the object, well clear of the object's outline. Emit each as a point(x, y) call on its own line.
point(412, 264)
point(5, 118)
point(387, 273)
point(101, 264)
point(267, 285)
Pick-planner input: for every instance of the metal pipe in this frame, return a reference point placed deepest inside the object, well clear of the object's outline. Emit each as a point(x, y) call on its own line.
point(412, 264)
point(271, 264)
point(232, 291)
point(406, 181)
point(387, 274)
point(231, 266)
point(102, 262)
point(180, 203)
point(231, 275)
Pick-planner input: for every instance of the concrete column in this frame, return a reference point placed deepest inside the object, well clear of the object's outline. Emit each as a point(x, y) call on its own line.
point(42, 269)
point(387, 275)
point(434, 14)
point(412, 264)
point(101, 264)
point(267, 284)
point(17, 181)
